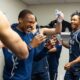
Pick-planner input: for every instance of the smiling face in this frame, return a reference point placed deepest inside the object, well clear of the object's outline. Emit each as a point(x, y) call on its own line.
point(27, 23)
point(75, 22)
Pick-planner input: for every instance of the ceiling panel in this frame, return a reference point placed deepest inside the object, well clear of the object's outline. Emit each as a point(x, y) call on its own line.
point(52, 1)
point(77, 1)
point(31, 2)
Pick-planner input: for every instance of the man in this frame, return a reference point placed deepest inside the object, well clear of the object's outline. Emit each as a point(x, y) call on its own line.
point(12, 40)
point(40, 68)
point(53, 57)
point(73, 66)
point(20, 69)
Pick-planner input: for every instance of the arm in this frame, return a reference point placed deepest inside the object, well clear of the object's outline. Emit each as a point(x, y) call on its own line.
point(53, 50)
point(50, 31)
point(77, 60)
point(68, 65)
point(11, 39)
point(56, 48)
point(58, 26)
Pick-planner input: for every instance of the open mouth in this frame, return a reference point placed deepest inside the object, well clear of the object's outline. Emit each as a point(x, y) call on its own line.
point(29, 29)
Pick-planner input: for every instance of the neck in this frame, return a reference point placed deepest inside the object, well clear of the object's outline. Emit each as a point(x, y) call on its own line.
point(19, 28)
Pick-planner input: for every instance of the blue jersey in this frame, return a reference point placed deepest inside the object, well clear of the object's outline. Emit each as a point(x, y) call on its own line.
point(15, 68)
point(40, 65)
point(53, 58)
point(74, 50)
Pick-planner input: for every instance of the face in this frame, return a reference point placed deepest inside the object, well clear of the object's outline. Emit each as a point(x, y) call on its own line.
point(75, 22)
point(27, 23)
point(53, 39)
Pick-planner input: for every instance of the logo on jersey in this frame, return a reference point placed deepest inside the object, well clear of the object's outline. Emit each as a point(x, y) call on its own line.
point(15, 63)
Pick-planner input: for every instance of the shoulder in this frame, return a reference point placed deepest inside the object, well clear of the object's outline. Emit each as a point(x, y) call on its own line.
point(14, 25)
point(77, 36)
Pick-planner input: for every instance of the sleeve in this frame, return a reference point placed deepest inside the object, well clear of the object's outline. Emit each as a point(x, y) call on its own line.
point(13, 26)
point(58, 52)
point(78, 38)
point(58, 47)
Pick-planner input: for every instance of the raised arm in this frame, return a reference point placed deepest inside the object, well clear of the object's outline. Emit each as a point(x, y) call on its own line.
point(58, 26)
point(51, 31)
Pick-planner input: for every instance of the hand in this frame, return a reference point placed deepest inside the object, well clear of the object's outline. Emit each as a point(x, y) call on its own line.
point(50, 44)
point(53, 42)
point(67, 66)
point(59, 16)
point(37, 40)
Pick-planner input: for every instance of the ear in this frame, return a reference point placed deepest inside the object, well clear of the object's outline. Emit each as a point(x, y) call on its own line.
point(20, 20)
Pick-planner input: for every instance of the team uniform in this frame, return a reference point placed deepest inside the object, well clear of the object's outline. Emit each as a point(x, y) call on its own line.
point(40, 68)
point(74, 72)
point(53, 59)
point(15, 68)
